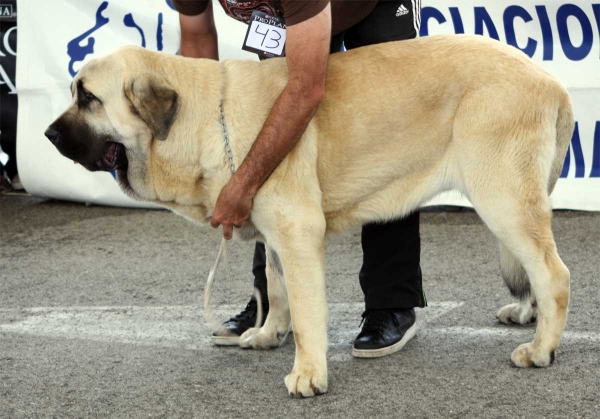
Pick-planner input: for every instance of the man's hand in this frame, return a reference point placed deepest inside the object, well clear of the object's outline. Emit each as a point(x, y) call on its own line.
point(232, 208)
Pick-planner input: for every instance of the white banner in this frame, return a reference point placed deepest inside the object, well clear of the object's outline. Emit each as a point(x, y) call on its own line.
point(563, 38)
point(56, 37)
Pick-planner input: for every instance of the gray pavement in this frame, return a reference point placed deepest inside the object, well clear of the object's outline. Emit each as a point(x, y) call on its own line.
point(100, 317)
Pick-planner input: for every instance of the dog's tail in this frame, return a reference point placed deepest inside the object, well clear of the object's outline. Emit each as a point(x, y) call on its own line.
point(565, 123)
point(513, 273)
point(209, 289)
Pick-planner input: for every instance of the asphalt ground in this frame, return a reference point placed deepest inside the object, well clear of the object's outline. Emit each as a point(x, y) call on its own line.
point(100, 316)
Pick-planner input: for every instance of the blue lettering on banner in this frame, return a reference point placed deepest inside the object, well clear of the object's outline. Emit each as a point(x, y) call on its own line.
point(484, 23)
point(130, 23)
point(547, 31)
point(595, 172)
point(596, 9)
point(483, 19)
point(456, 20)
point(78, 52)
point(571, 51)
point(575, 146)
point(433, 13)
point(159, 33)
point(510, 14)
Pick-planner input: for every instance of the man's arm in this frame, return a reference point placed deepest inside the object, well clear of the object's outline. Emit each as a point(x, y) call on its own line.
point(199, 35)
point(307, 54)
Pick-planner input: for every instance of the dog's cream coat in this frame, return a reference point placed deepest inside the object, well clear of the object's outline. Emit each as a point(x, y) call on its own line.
point(400, 122)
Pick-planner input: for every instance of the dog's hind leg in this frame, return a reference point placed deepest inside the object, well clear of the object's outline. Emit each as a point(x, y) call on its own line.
point(277, 325)
point(508, 154)
point(523, 312)
point(527, 233)
point(518, 212)
point(515, 278)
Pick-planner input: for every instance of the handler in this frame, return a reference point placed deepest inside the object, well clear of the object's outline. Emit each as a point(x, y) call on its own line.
point(390, 276)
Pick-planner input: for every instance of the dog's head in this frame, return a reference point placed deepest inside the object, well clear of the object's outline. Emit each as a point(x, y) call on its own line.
point(121, 103)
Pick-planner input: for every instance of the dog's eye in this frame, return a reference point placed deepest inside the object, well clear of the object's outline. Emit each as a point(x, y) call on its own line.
point(88, 96)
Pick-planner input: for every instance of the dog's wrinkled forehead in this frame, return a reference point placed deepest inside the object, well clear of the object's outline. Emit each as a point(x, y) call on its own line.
point(98, 76)
point(123, 92)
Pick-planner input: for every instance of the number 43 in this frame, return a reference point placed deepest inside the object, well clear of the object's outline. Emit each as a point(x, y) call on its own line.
point(270, 39)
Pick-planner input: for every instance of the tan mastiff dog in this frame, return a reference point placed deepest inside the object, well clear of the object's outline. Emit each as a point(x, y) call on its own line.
point(477, 116)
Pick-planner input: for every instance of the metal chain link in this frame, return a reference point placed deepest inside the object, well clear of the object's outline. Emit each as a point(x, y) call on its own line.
point(227, 142)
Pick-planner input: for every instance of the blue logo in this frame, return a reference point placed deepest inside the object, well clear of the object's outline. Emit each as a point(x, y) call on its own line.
point(83, 45)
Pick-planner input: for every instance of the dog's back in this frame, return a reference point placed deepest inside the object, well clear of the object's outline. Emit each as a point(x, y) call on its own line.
point(399, 118)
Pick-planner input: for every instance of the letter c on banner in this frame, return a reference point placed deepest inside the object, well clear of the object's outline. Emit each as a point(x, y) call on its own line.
point(429, 13)
point(6, 43)
point(510, 14)
point(571, 51)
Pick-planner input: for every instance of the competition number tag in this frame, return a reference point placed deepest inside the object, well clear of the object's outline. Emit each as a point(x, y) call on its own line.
point(266, 35)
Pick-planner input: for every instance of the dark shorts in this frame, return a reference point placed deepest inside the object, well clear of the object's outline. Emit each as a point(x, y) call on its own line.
point(389, 21)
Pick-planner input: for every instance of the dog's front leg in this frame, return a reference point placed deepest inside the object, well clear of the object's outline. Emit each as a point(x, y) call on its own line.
point(277, 324)
point(301, 247)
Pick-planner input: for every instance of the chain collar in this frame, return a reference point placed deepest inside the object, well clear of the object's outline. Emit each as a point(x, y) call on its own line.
point(226, 139)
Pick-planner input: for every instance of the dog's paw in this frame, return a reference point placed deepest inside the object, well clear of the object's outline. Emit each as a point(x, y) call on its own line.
point(306, 383)
point(261, 338)
point(518, 313)
point(527, 356)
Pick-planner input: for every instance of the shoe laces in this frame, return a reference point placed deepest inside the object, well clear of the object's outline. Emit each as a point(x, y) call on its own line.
point(248, 313)
point(375, 320)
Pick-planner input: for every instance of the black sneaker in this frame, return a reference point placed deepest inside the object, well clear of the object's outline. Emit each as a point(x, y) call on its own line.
point(384, 332)
point(229, 333)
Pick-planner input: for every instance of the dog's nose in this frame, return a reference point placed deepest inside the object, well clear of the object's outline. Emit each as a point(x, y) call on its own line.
point(52, 135)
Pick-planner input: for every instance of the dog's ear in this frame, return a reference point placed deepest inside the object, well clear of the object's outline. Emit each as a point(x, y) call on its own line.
point(155, 103)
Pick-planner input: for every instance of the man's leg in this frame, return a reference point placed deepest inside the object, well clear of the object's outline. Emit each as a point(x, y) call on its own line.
point(259, 265)
point(391, 281)
point(391, 275)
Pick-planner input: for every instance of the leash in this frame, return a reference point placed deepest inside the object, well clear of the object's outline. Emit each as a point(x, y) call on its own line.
point(223, 253)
